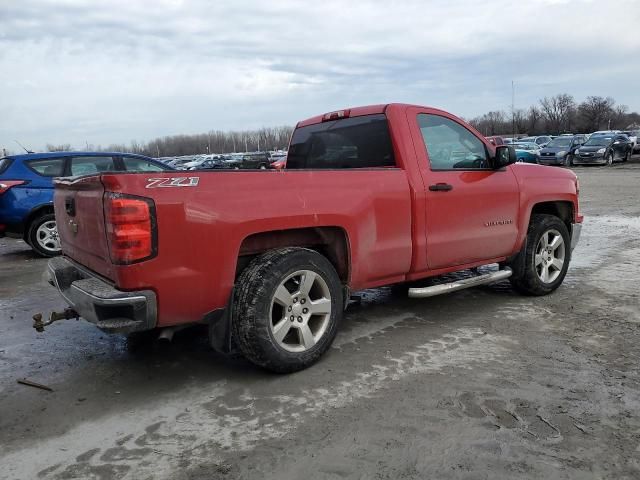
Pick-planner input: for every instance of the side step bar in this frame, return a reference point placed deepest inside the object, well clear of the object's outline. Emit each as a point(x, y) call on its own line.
point(434, 290)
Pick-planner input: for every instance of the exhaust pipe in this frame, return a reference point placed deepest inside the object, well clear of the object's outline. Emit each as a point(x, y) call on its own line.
point(166, 334)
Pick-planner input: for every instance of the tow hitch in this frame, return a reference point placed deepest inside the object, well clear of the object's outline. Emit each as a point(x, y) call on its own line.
point(67, 314)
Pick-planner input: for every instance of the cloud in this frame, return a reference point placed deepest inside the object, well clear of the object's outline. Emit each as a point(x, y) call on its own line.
point(113, 71)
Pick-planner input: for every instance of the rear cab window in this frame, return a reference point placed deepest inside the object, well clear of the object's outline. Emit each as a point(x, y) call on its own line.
point(48, 167)
point(91, 165)
point(349, 143)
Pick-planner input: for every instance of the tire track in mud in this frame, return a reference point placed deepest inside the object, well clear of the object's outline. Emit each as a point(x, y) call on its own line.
point(172, 433)
point(168, 433)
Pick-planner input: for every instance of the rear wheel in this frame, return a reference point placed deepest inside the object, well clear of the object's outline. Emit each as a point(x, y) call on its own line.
point(627, 157)
point(43, 236)
point(287, 308)
point(547, 253)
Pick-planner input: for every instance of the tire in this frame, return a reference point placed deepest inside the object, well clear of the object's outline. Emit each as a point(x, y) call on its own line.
point(568, 160)
point(627, 157)
point(609, 159)
point(43, 236)
point(529, 277)
point(272, 327)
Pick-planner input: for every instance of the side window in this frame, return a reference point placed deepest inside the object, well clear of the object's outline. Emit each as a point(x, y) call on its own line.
point(90, 165)
point(450, 145)
point(358, 142)
point(140, 165)
point(51, 167)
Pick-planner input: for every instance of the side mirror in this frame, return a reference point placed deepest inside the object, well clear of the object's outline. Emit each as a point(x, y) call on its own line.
point(505, 155)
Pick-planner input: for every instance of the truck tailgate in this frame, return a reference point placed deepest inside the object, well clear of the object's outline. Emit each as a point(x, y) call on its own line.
point(78, 204)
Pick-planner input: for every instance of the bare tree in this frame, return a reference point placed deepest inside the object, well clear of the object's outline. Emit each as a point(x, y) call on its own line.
point(620, 116)
point(58, 148)
point(520, 121)
point(557, 111)
point(595, 112)
point(534, 117)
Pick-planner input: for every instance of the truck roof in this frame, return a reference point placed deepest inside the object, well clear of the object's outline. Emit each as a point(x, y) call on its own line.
point(359, 111)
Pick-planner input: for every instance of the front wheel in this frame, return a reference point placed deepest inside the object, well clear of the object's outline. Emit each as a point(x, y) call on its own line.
point(43, 236)
point(568, 161)
point(287, 308)
point(627, 157)
point(547, 253)
point(609, 159)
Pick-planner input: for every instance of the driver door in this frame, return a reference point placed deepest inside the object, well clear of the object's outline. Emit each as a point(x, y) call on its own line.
point(471, 209)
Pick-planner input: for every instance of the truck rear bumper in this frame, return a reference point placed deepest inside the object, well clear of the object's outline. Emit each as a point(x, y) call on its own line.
point(576, 229)
point(110, 309)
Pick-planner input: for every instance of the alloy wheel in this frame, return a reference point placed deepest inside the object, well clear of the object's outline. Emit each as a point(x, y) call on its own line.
point(550, 256)
point(47, 236)
point(300, 311)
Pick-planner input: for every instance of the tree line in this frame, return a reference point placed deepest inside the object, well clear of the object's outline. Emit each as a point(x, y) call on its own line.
point(214, 141)
point(559, 114)
point(552, 115)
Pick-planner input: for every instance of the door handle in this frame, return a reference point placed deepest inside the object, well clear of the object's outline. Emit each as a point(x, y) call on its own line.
point(440, 187)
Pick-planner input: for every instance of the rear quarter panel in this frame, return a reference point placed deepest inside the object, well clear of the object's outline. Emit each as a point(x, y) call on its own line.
point(21, 200)
point(201, 228)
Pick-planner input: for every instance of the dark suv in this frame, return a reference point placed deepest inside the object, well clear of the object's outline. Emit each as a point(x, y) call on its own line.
point(604, 149)
point(26, 189)
point(560, 150)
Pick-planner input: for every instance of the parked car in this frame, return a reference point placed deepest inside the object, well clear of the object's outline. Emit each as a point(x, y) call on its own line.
point(496, 140)
point(354, 209)
point(526, 152)
point(605, 133)
point(603, 150)
point(541, 140)
point(633, 136)
point(255, 160)
point(26, 189)
point(278, 160)
point(561, 150)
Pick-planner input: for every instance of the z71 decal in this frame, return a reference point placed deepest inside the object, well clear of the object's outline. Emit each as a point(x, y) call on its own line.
point(172, 182)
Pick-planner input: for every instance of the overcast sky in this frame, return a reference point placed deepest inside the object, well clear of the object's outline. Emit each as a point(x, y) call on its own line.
point(113, 71)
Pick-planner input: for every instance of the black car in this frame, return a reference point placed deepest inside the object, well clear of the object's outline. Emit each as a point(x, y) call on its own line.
point(560, 150)
point(603, 150)
point(253, 160)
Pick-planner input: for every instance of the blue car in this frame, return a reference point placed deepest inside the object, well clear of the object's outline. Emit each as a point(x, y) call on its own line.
point(26, 189)
point(526, 152)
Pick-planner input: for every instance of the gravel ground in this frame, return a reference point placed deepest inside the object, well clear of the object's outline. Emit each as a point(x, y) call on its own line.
point(479, 384)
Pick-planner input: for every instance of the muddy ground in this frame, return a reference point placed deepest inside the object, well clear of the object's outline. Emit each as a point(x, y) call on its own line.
point(480, 384)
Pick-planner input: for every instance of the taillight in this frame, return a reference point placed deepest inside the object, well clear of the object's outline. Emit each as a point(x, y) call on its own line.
point(131, 228)
point(5, 185)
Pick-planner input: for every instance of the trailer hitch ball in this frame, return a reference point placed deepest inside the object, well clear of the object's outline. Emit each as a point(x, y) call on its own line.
point(66, 314)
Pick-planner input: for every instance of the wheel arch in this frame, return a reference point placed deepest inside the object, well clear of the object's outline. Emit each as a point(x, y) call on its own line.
point(330, 241)
point(35, 213)
point(560, 208)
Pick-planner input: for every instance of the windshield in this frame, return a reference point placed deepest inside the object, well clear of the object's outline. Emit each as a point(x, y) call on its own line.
point(560, 142)
point(599, 141)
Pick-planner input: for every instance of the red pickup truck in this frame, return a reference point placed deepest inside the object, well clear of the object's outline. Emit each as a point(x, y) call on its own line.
point(370, 196)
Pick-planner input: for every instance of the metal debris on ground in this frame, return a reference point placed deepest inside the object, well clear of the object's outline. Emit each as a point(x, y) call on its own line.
point(29, 383)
